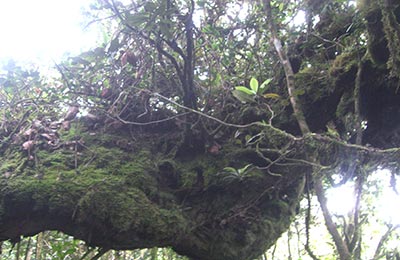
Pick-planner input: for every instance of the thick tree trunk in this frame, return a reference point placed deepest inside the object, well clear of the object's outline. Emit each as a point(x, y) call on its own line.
point(116, 192)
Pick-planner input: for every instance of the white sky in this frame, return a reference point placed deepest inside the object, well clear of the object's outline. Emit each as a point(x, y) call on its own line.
point(44, 30)
point(341, 200)
point(41, 30)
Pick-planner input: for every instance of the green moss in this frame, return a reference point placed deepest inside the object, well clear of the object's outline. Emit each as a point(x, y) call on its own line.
point(125, 209)
point(207, 165)
point(116, 192)
point(343, 63)
point(345, 105)
point(313, 83)
point(13, 162)
point(56, 161)
point(377, 42)
point(392, 32)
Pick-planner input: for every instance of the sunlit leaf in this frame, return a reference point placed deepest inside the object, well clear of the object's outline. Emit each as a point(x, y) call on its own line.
point(281, 7)
point(254, 84)
point(245, 168)
point(245, 90)
point(264, 86)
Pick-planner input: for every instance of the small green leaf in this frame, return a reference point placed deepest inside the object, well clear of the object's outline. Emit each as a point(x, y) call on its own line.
point(245, 90)
point(264, 86)
point(217, 80)
point(230, 170)
point(237, 134)
point(243, 96)
point(281, 7)
point(243, 171)
point(254, 84)
point(238, 142)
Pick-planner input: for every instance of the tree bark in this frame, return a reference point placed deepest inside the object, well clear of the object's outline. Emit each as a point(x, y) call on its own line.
point(290, 84)
point(114, 193)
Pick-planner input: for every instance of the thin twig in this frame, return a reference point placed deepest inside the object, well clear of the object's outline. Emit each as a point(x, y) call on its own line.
point(331, 226)
point(382, 241)
point(308, 219)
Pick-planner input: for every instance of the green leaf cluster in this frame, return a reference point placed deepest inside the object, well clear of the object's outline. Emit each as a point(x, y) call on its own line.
point(237, 174)
point(250, 94)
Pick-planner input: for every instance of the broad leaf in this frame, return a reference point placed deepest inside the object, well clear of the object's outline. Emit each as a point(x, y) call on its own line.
point(245, 90)
point(254, 84)
point(243, 96)
point(264, 86)
point(244, 170)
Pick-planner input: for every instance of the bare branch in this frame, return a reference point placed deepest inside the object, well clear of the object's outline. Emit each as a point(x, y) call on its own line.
point(150, 40)
point(382, 241)
point(356, 217)
point(294, 100)
point(340, 244)
point(357, 102)
point(308, 219)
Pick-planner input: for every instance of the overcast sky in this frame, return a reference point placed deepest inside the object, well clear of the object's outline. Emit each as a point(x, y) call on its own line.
point(42, 29)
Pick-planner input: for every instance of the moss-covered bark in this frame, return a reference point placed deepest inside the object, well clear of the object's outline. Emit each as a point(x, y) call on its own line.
point(121, 192)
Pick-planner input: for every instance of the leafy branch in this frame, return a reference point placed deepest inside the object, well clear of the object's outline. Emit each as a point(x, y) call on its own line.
point(185, 71)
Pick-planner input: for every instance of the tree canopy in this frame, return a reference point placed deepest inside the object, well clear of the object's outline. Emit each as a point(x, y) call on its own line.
point(201, 125)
